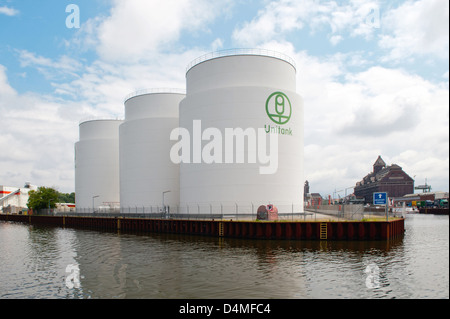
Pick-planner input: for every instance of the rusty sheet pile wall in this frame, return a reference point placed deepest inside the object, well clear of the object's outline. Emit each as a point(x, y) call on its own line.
point(349, 230)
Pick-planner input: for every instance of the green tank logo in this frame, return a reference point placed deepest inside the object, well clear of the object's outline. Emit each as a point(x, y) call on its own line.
point(278, 108)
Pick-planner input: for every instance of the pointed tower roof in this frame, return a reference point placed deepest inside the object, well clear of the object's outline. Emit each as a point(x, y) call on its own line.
point(379, 162)
point(378, 165)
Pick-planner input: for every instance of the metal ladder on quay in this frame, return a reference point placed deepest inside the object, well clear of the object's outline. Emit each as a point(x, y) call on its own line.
point(221, 230)
point(323, 231)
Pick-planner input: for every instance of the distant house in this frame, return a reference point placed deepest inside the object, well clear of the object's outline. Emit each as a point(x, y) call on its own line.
point(390, 179)
point(313, 199)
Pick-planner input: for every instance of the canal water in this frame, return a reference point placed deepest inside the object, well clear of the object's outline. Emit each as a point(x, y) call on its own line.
point(57, 263)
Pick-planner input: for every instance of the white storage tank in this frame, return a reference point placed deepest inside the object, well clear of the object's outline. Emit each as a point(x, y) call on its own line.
point(97, 165)
point(250, 92)
point(147, 174)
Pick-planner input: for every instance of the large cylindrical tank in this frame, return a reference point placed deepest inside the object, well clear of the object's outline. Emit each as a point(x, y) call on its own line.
point(251, 92)
point(147, 174)
point(97, 165)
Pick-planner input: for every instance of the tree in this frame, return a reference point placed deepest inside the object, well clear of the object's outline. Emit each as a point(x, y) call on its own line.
point(66, 197)
point(44, 197)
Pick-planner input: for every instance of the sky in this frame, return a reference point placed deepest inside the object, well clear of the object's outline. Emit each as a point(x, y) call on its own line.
point(374, 77)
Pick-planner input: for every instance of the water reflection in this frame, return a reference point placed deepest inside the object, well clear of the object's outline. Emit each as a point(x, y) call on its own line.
point(176, 266)
point(33, 261)
point(123, 265)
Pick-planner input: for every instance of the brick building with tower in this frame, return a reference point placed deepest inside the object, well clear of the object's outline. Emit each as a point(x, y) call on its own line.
point(390, 179)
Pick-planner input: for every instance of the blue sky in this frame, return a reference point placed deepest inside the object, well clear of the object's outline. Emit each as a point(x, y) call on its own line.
point(373, 75)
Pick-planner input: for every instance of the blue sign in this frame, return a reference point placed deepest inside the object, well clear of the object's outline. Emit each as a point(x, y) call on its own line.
point(379, 198)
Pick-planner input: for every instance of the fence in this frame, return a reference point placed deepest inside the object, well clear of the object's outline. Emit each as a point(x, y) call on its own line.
point(353, 211)
point(226, 211)
point(230, 211)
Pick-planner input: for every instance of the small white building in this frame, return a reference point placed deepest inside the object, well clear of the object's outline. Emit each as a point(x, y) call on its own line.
point(65, 207)
point(14, 199)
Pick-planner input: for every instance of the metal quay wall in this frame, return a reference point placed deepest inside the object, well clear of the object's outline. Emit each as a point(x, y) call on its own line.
point(294, 230)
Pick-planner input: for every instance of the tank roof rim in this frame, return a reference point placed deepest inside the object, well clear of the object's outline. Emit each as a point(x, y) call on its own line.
point(149, 91)
point(99, 119)
point(241, 52)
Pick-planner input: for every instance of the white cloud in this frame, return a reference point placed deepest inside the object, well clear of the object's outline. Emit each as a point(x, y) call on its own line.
point(416, 28)
point(37, 135)
point(104, 85)
point(387, 101)
point(335, 39)
point(379, 111)
point(425, 168)
point(273, 20)
point(51, 69)
point(137, 29)
point(8, 11)
point(5, 88)
point(278, 18)
point(217, 44)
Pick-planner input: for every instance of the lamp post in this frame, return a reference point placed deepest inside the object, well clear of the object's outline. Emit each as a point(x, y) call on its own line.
point(93, 206)
point(163, 193)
